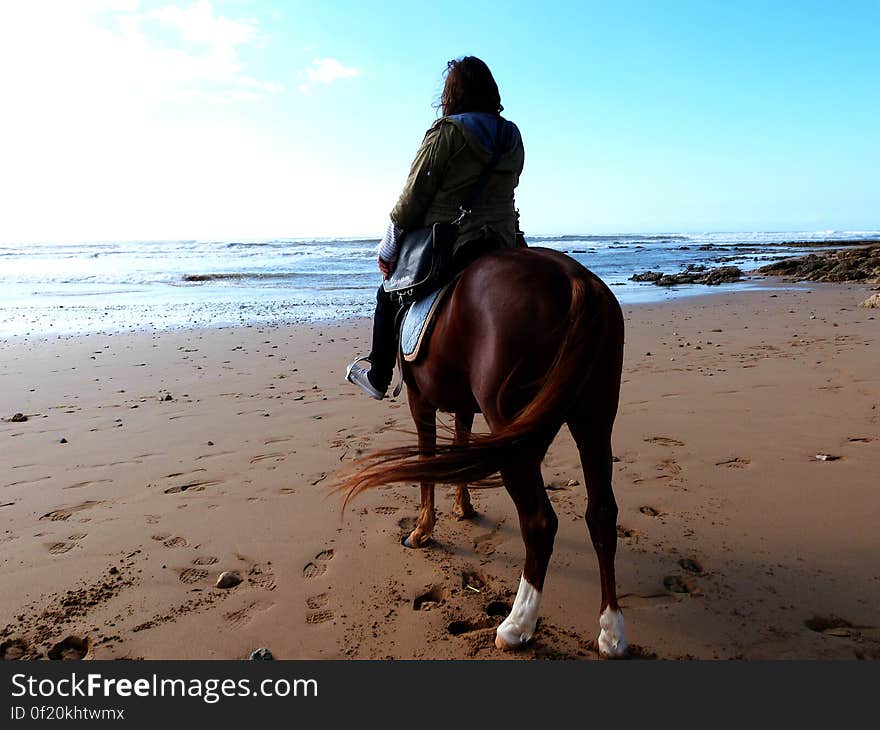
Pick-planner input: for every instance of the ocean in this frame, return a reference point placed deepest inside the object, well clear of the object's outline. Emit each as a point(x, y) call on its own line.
point(49, 288)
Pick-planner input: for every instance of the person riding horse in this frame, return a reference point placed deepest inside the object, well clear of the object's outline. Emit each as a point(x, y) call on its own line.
point(451, 158)
point(528, 337)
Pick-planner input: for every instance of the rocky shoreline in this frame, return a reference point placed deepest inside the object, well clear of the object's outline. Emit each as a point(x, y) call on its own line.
point(849, 265)
point(849, 262)
point(694, 274)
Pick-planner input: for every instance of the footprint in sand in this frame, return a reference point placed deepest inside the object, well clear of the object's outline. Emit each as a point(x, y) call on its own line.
point(80, 485)
point(161, 536)
point(431, 598)
point(626, 533)
point(192, 575)
point(262, 578)
point(468, 626)
point(13, 649)
point(192, 486)
point(830, 625)
point(71, 648)
point(278, 440)
point(692, 565)
point(174, 542)
point(736, 462)
point(650, 511)
point(244, 615)
point(77, 536)
point(386, 510)
point(473, 581)
point(182, 473)
point(663, 441)
point(498, 608)
point(669, 469)
point(320, 617)
point(485, 543)
point(57, 548)
point(214, 455)
point(67, 512)
point(318, 567)
point(204, 560)
point(680, 584)
point(318, 601)
point(262, 457)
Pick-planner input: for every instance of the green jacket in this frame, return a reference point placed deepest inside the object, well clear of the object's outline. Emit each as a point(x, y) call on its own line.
point(452, 155)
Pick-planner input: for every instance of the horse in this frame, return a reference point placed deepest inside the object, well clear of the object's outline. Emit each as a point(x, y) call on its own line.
point(531, 339)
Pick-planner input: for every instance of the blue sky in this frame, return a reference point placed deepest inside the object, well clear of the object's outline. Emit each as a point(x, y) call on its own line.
point(229, 119)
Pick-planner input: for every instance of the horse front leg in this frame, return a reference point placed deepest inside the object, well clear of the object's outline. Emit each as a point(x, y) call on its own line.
point(425, 417)
point(538, 524)
point(463, 509)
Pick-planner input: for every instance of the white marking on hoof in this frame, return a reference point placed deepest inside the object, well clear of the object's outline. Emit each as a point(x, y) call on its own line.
point(519, 626)
point(612, 642)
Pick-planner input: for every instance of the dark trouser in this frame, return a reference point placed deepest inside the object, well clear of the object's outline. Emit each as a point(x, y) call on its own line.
point(384, 352)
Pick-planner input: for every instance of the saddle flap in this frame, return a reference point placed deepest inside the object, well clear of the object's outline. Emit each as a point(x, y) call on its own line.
point(417, 322)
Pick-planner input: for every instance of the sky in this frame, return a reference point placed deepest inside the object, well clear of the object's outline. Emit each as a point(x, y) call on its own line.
point(225, 119)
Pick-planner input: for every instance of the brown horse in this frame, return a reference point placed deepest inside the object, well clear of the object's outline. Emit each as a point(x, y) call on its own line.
point(531, 339)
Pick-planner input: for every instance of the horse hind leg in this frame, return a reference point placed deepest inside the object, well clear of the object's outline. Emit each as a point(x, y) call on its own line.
point(425, 418)
point(594, 445)
point(463, 509)
point(538, 524)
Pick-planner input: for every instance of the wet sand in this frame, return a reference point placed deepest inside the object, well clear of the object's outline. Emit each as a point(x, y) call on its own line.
point(190, 453)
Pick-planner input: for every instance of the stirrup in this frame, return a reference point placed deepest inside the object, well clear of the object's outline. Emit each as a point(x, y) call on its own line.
point(360, 377)
point(361, 358)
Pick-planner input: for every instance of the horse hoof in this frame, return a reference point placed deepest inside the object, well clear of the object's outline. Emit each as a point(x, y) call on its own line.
point(417, 543)
point(510, 635)
point(511, 638)
point(612, 642)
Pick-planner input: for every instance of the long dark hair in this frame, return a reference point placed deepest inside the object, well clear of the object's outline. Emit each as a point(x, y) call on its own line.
point(469, 87)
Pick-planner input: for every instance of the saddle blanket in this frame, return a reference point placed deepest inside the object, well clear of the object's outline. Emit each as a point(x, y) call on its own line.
point(417, 322)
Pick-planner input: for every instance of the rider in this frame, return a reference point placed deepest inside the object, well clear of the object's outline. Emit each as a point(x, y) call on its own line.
point(452, 156)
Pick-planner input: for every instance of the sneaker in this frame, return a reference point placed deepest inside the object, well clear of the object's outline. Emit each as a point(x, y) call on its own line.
point(361, 377)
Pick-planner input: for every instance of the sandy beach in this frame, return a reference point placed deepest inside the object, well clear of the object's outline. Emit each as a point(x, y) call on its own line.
point(149, 463)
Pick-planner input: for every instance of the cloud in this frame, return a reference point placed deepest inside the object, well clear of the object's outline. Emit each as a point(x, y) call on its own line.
point(97, 49)
point(198, 24)
point(323, 71)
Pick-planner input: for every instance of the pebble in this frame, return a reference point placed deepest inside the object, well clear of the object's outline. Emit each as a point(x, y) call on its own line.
point(228, 579)
point(572, 483)
point(63, 441)
point(826, 457)
point(261, 655)
point(18, 418)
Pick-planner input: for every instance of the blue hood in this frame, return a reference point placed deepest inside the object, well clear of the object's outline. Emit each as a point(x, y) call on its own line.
point(483, 126)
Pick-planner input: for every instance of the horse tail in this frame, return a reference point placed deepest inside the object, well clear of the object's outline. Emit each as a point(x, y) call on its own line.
point(476, 461)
